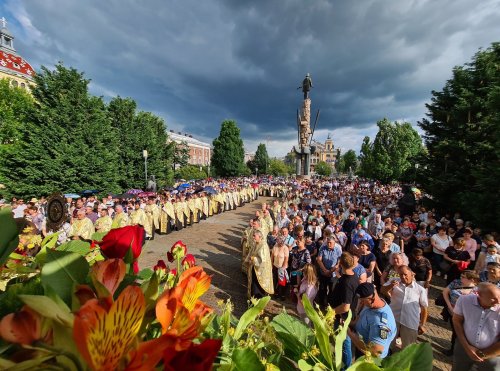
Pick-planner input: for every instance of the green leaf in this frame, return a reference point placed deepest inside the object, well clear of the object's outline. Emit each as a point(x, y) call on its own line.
point(339, 341)
point(80, 247)
point(249, 316)
point(98, 236)
point(31, 364)
point(9, 238)
point(304, 366)
point(62, 271)
point(295, 335)
point(150, 290)
point(321, 331)
point(63, 340)
point(416, 357)
point(50, 241)
point(48, 308)
point(145, 274)
point(364, 365)
point(246, 359)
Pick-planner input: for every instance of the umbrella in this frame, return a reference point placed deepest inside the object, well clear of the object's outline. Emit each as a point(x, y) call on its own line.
point(127, 195)
point(71, 195)
point(210, 190)
point(183, 186)
point(135, 191)
point(146, 194)
point(89, 192)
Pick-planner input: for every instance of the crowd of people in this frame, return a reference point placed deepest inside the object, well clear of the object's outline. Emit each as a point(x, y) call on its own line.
point(360, 246)
point(160, 213)
point(353, 245)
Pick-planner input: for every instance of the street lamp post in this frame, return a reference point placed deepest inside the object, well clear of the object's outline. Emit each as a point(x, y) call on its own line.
point(256, 170)
point(145, 155)
point(416, 169)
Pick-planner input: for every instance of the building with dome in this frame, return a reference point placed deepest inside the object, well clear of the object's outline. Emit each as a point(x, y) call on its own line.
point(12, 65)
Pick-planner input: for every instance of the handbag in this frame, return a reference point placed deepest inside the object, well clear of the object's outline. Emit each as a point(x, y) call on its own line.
point(445, 266)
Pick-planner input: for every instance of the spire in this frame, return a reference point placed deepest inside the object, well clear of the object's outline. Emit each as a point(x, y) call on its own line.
point(6, 38)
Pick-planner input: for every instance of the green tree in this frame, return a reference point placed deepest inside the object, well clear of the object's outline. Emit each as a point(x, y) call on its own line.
point(390, 154)
point(278, 167)
point(15, 104)
point(190, 172)
point(462, 133)
point(322, 168)
point(180, 153)
point(347, 161)
point(261, 158)
point(228, 153)
point(67, 142)
point(139, 131)
point(153, 138)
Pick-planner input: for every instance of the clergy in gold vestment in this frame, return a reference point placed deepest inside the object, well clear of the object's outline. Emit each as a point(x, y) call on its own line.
point(247, 243)
point(179, 214)
point(153, 215)
point(198, 203)
point(167, 214)
point(82, 227)
point(205, 209)
point(103, 223)
point(138, 217)
point(120, 219)
point(260, 272)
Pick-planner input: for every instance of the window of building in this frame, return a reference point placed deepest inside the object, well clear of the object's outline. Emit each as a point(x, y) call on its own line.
point(23, 85)
point(14, 83)
point(7, 41)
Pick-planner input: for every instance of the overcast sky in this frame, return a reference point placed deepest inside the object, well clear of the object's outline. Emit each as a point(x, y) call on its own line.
point(198, 62)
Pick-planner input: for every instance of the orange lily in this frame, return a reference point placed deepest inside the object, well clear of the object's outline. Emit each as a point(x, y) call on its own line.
point(23, 327)
point(179, 311)
point(110, 273)
point(105, 336)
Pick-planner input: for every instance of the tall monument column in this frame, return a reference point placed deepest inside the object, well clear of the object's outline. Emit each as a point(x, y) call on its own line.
point(304, 150)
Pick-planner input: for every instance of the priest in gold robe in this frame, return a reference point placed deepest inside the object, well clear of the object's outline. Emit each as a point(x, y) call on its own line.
point(153, 218)
point(167, 216)
point(260, 271)
point(82, 227)
point(103, 223)
point(138, 216)
point(120, 219)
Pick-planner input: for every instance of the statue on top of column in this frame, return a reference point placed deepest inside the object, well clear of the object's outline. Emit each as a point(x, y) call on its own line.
point(306, 86)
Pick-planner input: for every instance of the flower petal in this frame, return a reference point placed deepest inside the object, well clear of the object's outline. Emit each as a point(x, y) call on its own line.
point(23, 327)
point(104, 337)
point(110, 273)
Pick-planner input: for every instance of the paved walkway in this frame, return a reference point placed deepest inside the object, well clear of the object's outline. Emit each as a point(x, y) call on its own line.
point(215, 243)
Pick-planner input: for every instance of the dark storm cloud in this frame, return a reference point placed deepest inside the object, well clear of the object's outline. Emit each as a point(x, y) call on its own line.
point(197, 63)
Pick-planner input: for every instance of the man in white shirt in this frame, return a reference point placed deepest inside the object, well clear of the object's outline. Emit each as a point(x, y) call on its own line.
point(476, 319)
point(282, 219)
point(409, 304)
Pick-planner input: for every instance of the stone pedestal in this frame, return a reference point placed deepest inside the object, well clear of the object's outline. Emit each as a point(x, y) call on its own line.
point(303, 152)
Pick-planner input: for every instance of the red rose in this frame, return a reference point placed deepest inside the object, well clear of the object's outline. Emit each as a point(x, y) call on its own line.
point(189, 261)
point(116, 242)
point(179, 249)
point(170, 257)
point(160, 265)
point(198, 357)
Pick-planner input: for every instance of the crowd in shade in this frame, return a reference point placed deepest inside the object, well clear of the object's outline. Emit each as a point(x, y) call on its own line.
point(373, 250)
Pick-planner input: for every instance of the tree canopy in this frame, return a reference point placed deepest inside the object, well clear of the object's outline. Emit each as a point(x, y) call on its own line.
point(69, 140)
point(392, 152)
point(462, 136)
point(322, 168)
point(228, 152)
point(261, 159)
point(347, 161)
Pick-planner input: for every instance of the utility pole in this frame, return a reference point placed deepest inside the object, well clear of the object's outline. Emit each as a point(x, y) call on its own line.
point(145, 155)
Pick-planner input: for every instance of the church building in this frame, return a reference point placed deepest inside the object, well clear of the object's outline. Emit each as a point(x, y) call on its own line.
point(12, 65)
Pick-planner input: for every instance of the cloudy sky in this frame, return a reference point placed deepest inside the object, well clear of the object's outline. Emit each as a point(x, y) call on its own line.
point(196, 63)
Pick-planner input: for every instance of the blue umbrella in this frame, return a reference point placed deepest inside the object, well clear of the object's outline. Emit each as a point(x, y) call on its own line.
point(210, 190)
point(71, 195)
point(89, 192)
